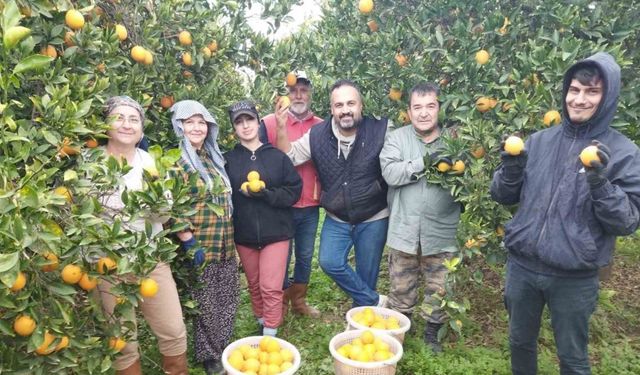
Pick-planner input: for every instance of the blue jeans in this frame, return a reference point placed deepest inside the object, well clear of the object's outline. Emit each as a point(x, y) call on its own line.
point(571, 302)
point(305, 222)
point(368, 239)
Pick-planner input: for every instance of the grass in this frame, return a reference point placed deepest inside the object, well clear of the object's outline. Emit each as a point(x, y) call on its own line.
point(483, 347)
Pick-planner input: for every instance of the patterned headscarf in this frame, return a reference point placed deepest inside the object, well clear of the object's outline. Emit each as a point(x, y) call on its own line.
point(183, 110)
point(117, 101)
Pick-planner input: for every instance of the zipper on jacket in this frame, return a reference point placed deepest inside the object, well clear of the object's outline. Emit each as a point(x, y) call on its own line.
point(553, 198)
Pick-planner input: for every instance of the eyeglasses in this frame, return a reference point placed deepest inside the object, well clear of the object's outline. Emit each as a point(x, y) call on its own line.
point(120, 120)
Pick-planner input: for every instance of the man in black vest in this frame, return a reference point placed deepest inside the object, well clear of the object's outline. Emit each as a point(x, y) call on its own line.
point(345, 149)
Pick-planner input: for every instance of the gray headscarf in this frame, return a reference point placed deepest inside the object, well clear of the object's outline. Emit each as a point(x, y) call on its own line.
point(117, 101)
point(184, 109)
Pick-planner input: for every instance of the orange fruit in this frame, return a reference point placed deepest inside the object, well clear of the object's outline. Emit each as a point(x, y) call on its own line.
point(551, 118)
point(66, 149)
point(49, 50)
point(213, 46)
point(185, 38)
point(64, 342)
point(24, 325)
point(74, 19)
point(87, 282)
point(478, 151)
point(513, 145)
point(244, 186)
point(186, 59)
point(121, 32)
point(275, 358)
point(285, 102)
point(53, 262)
point(187, 74)
point(117, 344)
point(395, 94)
point(68, 39)
point(20, 282)
point(291, 79)
point(148, 58)
point(443, 166)
point(138, 54)
point(206, 51)
point(105, 264)
point(166, 102)
point(101, 67)
point(365, 6)
point(457, 167)
point(373, 26)
point(236, 360)
point(71, 274)
point(484, 104)
point(589, 154)
point(255, 186)
point(63, 192)
point(45, 349)
point(500, 231)
point(403, 117)
point(482, 57)
point(253, 176)
point(91, 143)
point(401, 59)
point(367, 337)
point(148, 288)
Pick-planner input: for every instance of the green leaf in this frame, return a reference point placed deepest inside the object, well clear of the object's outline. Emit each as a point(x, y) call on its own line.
point(10, 16)
point(83, 108)
point(8, 261)
point(61, 289)
point(105, 365)
point(32, 62)
point(5, 327)
point(155, 151)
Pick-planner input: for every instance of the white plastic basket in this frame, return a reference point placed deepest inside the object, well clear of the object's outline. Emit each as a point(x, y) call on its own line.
point(398, 333)
point(346, 366)
point(254, 342)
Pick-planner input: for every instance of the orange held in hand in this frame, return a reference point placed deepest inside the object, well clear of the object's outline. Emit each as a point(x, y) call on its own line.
point(513, 145)
point(588, 155)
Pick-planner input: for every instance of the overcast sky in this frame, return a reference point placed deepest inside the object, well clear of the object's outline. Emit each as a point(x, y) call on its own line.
point(309, 11)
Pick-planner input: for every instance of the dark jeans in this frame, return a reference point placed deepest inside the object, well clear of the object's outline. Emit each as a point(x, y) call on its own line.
point(305, 222)
point(571, 302)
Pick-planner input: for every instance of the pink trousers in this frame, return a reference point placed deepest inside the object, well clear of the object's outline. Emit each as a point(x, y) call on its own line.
point(265, 270)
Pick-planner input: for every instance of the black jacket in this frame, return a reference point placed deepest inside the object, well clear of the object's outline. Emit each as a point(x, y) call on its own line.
point(563, 227)
point(266, 219)
point(352, 189)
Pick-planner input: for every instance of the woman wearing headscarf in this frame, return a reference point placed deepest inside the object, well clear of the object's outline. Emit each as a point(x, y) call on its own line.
point(208, 241)
point(162, 312)
point(262, 217)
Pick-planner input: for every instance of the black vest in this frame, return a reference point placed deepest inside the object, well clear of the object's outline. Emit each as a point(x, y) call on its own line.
point(352, 189)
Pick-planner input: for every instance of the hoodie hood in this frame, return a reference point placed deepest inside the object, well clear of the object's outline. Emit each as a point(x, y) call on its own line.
point(610, 75)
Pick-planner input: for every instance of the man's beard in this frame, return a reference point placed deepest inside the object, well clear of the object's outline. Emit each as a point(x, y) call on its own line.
point(299, 109)
point(352, 122)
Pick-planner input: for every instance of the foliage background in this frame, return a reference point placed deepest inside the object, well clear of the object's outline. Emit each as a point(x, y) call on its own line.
point(48, 100)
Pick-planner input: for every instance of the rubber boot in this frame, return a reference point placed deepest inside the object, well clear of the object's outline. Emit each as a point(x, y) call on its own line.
point(134, 369)
point(175, 365)
point(431, 336)
point(298, 295)
point(213, 367)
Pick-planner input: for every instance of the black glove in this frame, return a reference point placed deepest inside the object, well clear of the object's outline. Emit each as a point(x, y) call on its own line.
point(513, 165)
point(258, 195)
point(198, 253)
point(434, 158)
point(597, 173)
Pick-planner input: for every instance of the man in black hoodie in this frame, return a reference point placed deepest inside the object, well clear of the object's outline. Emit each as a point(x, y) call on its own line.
point(568, 217)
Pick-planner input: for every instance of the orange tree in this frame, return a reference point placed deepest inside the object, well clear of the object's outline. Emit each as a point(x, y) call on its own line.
point(59, 62)
point(499, 65)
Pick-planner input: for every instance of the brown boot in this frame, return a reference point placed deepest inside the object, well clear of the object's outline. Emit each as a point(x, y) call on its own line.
point(134, 369)
point(298, 294)
point(175, 365)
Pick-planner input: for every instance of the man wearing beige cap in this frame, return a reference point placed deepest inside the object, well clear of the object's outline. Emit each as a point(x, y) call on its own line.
point(306, 211)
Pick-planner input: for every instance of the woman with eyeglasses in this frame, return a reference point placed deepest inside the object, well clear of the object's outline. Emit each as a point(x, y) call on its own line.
point(162, 312)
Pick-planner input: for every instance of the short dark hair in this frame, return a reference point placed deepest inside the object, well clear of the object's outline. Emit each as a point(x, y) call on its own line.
point(345, 82)
point(587, 75)
point(424, 88)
